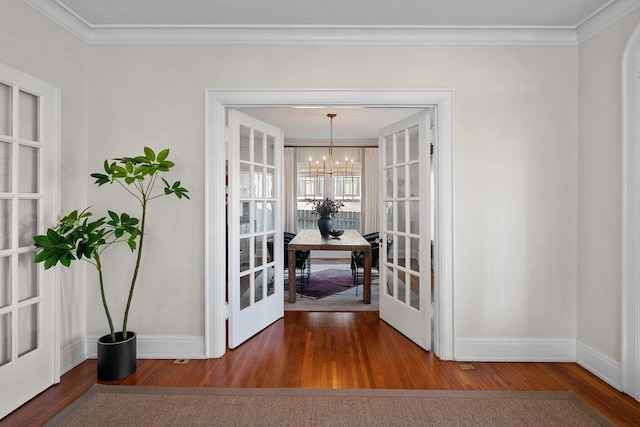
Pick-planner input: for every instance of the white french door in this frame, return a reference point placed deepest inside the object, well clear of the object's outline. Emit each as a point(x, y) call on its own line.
point(256, 290)
point(28, 189)
point(405, 274)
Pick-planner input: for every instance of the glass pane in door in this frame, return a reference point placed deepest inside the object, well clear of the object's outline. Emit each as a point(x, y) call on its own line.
point(28, 116)
point(245, 143)
point(27, 329)
point(389, 149)
point(270, 260)
point(5, 281)
point(27, 221)
point(27, 276)
point(5, 167)
point(5, 109)
point(28, 168)
point(5, 342)
point(5, 224)
point(271, 150)
point(259, 147)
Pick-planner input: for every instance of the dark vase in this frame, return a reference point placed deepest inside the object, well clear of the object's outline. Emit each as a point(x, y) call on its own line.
point(116, 360)
point(324, 225)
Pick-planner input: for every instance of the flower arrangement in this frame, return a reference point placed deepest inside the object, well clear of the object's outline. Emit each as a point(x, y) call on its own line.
point(325, 207)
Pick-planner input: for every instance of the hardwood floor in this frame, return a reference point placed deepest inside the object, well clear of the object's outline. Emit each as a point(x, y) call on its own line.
point(337, 350)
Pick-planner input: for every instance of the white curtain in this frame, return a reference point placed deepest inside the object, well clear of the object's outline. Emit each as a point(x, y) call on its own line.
point(290, 189)
point(370, 190)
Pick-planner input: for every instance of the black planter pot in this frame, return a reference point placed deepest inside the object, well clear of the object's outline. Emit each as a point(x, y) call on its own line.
point(116, 360)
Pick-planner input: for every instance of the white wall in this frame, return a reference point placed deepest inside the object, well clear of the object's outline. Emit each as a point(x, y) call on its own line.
point(515, 193)
point(36, 46)
point(599, 189)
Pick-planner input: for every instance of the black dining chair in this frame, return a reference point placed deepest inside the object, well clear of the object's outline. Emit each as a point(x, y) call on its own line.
point(303, 261)
point(357, 257)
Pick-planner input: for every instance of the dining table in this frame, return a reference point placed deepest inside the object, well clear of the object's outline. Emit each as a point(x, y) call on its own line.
point(311, 240)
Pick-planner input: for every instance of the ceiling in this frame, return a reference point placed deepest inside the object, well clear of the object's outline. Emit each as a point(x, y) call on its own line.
point(313, 123)
point(564, 13)
point(548, 22)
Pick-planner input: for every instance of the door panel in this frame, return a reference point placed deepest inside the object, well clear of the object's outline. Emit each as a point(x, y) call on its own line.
point(405, 297)
point(256, 291)
point(28, 186)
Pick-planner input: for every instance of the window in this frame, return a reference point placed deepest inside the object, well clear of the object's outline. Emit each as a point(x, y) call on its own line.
point(315, 184)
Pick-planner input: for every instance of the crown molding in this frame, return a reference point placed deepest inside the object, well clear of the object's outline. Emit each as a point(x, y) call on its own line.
point(605, 17)
point(331, 35)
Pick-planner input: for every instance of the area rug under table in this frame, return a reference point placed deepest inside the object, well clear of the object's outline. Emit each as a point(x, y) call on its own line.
point(328, 282)
point(105, 405)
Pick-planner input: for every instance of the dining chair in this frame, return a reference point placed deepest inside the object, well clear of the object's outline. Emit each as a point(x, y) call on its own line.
point(357, 257)
point(303, 261)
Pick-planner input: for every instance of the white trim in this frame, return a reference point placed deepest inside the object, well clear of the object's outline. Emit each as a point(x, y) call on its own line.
point(360, 36)
point(600, 365)
point(215, 300)
point(218, 100)
point(332, 35)
point(606, 16)
point(72, 355)
point(630, 304)
point(515, 350)
point(55, 209)
point(159, 347)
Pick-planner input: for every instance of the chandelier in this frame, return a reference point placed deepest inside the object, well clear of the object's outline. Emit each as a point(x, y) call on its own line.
point(331, 169)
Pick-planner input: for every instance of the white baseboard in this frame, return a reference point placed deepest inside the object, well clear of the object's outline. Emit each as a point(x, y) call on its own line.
point(72, 355)
point(515, 350)
point(160, 347)
point(600, 365)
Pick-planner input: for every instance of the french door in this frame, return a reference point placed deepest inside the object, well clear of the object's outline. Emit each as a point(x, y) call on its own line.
point(28, 186)
point(255, 257)
point(405, 237)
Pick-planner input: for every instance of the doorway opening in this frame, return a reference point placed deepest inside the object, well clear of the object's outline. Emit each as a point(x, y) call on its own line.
point(216, 104)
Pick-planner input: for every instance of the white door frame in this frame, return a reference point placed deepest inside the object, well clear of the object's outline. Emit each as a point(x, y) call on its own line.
point(630, 322)
point(216, 102)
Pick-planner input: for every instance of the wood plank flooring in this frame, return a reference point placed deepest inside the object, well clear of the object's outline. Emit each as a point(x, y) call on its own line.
point(337, 350)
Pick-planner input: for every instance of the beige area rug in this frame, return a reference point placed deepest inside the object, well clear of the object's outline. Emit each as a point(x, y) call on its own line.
point(342, 301)
point(105, 405)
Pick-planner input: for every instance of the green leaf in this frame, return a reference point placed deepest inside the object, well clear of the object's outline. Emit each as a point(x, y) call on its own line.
point(42, 256)
point(100, 178)
point(42, 241)
point(151, 156)
point(162, 155)
point(66, 261)
point(49, 262)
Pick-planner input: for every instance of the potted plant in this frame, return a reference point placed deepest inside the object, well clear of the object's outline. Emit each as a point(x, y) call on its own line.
point(77, 237)
point(326, 209)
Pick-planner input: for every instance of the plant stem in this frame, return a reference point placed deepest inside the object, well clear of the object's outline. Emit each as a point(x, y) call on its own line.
point(96, 255)
point(135, 271)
